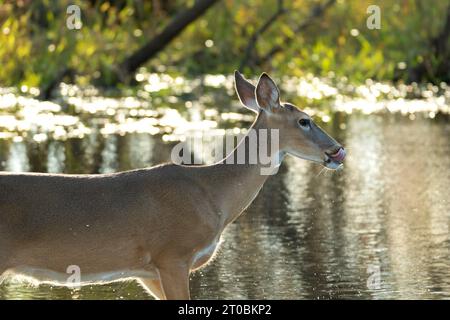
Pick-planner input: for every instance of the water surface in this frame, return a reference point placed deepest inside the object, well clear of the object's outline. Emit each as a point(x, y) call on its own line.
point(379, 229)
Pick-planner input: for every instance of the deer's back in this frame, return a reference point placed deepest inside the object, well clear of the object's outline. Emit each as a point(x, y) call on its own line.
point(145, 206)
point(67, 200)
point(100, 221)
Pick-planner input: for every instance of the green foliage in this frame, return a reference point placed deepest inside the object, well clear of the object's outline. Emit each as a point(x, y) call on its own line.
point(36, 45)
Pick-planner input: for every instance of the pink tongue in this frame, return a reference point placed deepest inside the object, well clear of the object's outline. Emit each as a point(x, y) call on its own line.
point(339, 156)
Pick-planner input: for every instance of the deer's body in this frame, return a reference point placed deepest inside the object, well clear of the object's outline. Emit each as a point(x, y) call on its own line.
point(119, 225)
point(100, 222)
point(156, 224)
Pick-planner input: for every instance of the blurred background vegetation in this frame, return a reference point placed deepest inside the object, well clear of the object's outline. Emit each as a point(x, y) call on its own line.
point(141, 75)
point(292, 38)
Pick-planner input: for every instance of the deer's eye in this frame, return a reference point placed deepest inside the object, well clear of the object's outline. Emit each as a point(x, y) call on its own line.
point(305, 123)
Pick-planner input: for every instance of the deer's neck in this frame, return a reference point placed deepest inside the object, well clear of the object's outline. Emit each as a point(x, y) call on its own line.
point(239, 183)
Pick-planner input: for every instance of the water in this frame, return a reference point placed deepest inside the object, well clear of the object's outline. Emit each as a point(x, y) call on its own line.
point(379, 229)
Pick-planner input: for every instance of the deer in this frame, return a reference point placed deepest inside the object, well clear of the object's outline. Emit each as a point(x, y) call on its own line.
point(155, 225)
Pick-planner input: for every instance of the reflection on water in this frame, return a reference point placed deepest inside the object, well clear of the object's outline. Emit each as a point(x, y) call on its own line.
point(173, 106)
point(377, 229)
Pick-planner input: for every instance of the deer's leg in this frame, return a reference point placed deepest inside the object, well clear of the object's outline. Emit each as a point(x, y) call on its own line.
point(3, 262)
point(153, 286)
point(2, 276)
point(175, 280)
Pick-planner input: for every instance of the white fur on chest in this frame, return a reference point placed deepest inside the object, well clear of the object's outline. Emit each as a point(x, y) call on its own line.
point(206, 254)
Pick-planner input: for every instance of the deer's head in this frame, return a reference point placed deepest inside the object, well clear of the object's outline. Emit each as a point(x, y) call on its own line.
point(298, 134)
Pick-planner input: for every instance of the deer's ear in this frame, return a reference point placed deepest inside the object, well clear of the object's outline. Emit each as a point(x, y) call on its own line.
point(246, 92)
point(267, 93)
